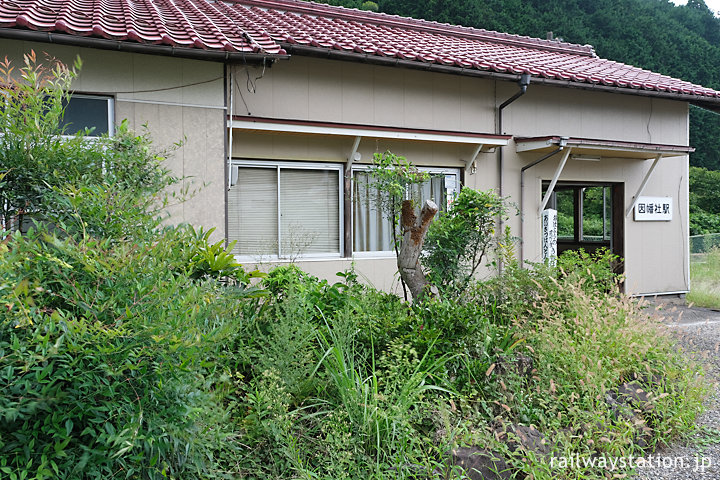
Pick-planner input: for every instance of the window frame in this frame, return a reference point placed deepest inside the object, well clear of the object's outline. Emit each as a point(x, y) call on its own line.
point(446, 171)
point(110, 113)
point(278, 165)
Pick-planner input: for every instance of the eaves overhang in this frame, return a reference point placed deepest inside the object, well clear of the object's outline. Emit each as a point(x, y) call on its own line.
point(601, 148)
point(369, 131)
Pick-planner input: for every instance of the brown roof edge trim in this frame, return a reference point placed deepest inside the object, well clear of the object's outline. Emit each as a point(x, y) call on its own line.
point(311, 123)
point(133, 47)
point(710, 103)
point(573, 141)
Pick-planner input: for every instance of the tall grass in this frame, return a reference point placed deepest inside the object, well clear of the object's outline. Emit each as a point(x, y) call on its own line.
point(705, 280)
point(384, 390)
point(379, 412)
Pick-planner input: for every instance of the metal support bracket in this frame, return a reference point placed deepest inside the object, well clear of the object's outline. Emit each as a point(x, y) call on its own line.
point(558, 171)
point(353, 151)
point(470, 164)
point(640, 190)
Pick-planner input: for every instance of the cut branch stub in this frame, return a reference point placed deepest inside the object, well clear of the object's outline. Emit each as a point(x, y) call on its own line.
point(414, 231)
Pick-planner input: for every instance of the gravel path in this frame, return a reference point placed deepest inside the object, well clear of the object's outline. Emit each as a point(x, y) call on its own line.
point(698, 331)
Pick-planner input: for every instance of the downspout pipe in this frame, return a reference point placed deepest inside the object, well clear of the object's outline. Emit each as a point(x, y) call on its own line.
point(523, 82)
point(522, 197)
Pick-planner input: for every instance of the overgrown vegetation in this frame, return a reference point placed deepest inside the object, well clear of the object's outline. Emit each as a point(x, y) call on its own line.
point(459, 241)
point(108, 318)
point(131, 349)
point(370, 387)
point(704, 207)
point(705, 280)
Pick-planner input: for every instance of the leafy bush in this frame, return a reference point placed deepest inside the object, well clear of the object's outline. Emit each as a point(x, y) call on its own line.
point(100, 371)
point(114, 331)
point(372, 6)
point(458, 241)
point(704, 211)
point(114, 184)
point(33, 157)
point(702, 222)
point(594, 271)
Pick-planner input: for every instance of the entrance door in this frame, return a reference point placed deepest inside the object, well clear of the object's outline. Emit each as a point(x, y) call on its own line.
point(590, 216)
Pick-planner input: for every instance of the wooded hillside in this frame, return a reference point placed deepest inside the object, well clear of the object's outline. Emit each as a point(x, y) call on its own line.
point(681, 41)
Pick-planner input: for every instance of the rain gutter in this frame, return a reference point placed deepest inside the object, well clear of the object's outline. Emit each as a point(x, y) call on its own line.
point(523, 82)
point(134, 47)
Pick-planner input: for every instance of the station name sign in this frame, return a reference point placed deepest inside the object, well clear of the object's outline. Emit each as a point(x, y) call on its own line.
point(654, 209)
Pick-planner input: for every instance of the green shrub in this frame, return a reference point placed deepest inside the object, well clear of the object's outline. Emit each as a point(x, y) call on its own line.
point(101, 373)
point(702, 222)
point(114, 331)
point(372, 6)
point(595, 271)
point(458, 241)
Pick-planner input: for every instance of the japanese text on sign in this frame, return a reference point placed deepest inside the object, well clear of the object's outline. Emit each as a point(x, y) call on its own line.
point(549, 235)
point(654, 209)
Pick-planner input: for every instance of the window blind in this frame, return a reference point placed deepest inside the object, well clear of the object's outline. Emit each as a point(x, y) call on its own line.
point(309, 211)
point(253, 212)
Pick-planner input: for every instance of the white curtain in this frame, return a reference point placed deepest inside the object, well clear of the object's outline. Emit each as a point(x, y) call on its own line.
point(372, 229)
point(434, 189)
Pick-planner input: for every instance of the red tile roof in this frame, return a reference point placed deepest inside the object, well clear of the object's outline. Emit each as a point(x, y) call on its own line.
point(181, 23)
point(272, 26)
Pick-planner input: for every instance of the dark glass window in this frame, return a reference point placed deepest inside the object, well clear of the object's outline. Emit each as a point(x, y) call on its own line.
point(84, 111)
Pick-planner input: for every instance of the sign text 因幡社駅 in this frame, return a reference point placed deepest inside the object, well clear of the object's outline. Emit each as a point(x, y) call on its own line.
point(654, 209)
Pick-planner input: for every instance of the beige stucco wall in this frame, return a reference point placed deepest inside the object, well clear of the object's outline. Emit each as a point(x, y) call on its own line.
point(341, 92)
point(156, 91)
point(655, 252)
point(345, 92)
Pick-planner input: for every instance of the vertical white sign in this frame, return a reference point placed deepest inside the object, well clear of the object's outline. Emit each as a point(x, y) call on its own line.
point(549, 235)
point(451, 189)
